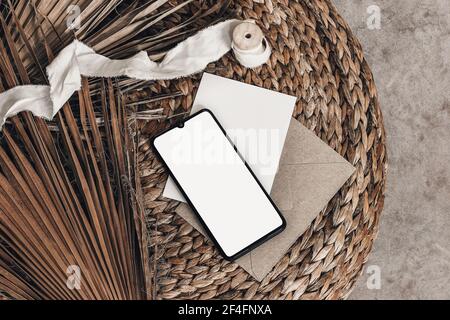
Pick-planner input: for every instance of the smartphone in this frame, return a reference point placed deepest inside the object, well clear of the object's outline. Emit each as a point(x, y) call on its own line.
point(218, 184)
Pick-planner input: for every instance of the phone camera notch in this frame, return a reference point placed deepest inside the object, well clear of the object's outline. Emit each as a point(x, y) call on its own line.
point(180, 124)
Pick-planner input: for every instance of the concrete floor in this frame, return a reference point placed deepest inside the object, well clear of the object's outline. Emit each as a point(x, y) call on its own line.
point(410, 58)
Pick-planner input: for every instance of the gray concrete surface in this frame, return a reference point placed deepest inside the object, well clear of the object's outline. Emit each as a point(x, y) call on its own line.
point(410, 58)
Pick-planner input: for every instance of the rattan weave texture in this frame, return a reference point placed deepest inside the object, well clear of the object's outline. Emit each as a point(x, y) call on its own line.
point(317, 58)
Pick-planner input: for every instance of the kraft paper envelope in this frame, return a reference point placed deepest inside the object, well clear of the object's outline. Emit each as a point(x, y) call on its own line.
point(309, 175)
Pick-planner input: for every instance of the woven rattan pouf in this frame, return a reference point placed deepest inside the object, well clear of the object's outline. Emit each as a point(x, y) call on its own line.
point(316, 58)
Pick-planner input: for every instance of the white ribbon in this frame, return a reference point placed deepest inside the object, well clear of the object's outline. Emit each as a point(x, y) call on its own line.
point(77, 59)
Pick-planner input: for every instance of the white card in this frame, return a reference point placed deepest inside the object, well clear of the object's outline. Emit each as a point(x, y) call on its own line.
point(255, 119)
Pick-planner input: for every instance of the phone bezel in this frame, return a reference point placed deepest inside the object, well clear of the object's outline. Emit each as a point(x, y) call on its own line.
point(205, 226)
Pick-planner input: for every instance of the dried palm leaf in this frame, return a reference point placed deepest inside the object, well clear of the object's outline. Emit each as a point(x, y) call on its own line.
point(115, 28)
point(70, 196)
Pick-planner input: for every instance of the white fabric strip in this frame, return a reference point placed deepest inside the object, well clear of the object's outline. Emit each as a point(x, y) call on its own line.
point(77, 59)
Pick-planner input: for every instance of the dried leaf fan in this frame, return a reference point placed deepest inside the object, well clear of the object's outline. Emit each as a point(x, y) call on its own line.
point(70, 199)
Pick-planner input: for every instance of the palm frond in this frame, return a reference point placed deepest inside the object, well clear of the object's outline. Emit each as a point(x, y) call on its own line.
point(70, 191)
point(115, 28)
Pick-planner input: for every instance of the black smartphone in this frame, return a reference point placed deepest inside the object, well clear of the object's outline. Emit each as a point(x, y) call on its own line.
point(218, 184)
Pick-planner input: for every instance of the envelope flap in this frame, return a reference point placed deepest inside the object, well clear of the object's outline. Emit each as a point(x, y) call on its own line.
point(303, 146)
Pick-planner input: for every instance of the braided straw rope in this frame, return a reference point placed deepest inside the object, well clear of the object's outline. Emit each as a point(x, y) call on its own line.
point(315, 57)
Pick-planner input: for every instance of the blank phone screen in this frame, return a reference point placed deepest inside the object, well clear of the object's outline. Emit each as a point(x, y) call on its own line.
point(218, 184)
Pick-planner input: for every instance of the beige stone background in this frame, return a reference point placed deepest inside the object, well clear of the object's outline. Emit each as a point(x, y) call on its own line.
point(410, 58)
